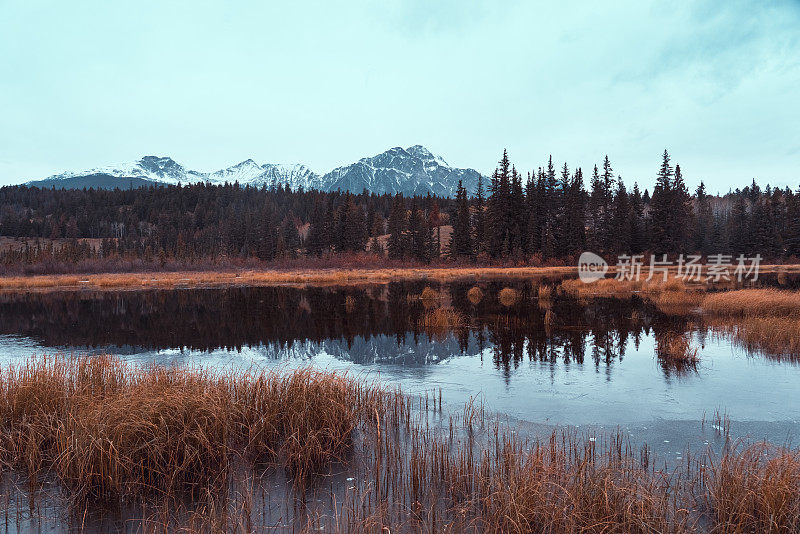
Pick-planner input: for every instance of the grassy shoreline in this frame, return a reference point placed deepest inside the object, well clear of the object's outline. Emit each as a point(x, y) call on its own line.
point(109, 433)
point(298, 277)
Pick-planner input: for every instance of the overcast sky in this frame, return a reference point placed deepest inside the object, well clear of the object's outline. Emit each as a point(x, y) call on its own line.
point(91, 83)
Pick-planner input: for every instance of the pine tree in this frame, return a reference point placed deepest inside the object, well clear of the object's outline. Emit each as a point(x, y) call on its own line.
point(461, 240)
point(420, 237)
point(660, 206)
point(621, 220)
point(479, 219)
point(397, 228)
point(318, 238)
point(638, 240)
point(703, 227)
point(681, 214)
point(597, 201)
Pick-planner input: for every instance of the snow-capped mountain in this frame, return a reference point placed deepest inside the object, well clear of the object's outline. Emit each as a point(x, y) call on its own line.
point(413, 170)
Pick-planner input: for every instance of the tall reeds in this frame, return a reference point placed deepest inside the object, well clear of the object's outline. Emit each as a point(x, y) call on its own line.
point(110, 432)
point(754, 303)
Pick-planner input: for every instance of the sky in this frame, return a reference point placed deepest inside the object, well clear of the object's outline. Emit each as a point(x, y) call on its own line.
point(91, 83)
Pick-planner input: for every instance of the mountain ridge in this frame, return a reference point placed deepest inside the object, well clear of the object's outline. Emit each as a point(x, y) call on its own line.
point(412, 170)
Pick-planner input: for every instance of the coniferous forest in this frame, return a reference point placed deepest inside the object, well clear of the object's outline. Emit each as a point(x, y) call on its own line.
point(546, 217)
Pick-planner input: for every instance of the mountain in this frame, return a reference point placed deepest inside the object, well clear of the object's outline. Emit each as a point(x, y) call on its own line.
point(414, 170)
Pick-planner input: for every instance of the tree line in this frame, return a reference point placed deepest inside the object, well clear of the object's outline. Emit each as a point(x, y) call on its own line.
point(552, 216)
point(549, 215)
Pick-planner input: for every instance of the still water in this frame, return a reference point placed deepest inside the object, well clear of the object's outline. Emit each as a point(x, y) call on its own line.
point(593, 363)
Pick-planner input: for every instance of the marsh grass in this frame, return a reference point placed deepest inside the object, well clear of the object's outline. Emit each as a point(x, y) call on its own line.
point(475, 295)
point(111, 432)
point(775, 337)
point(753, 303)
point(273, 277)
point(676, 351)
point(756, 490)
point(508, 296)
point(440, 321)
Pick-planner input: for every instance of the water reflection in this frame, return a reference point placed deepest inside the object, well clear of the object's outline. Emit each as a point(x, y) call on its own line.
point(233, 318)
point(550, 358)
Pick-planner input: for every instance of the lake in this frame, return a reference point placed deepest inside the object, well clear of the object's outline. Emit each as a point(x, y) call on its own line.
point(586, 364)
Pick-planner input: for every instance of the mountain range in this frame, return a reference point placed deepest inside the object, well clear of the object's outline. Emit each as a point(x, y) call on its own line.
point(412, 170)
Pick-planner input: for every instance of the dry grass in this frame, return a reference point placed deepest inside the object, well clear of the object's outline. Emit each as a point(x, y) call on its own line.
point(508, 297)
point(430, 294)
point(317, 277)
point(672, 297)
point(774, 336)
point(109, 431)
point(475, 295)
point(754, 303)
point(676, 349)
point(545, 292)
point(441, 320)
point(756, 491)
point(676, 302)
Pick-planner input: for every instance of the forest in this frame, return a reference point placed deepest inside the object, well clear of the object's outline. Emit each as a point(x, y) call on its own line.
point(545, 217)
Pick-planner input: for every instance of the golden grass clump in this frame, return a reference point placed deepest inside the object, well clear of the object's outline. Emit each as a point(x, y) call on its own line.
point(558, 487)
point(475, 295)
point(753, 303)
point(545, 292)
point(756, 490)
point(441, 320)
point(775, 336)
point(110, 431)
point(676, 302)
point(676, 349)
point(549, 318)
point(430, 297)
point(605, 287)
point(349, 304)
point(508, 296)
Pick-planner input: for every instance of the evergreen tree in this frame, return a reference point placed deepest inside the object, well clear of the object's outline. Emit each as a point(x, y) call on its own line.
point(660, 206)
point(397, 228)
point(479, 219)
point(703, 227)
point(461, 240)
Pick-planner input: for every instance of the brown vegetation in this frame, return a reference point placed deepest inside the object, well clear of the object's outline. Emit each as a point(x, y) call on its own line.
point(754, 303)
point(475, 295)
point(442, 320)
point(776, 337)
point(508, 296)
point(676, 349)
point(756, 491)
point(111, 432)
point(318, 277)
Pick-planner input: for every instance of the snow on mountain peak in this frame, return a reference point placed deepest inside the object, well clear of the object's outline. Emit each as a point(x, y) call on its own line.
point(413, 170)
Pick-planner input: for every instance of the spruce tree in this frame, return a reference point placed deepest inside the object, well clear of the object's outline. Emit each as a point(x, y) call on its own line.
point(461, 240)
point(479, 219)
point(397, 228)
point(660, 206)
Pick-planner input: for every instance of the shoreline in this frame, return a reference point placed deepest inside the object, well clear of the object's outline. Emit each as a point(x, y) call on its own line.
point(271, 277)
point(294, 277)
